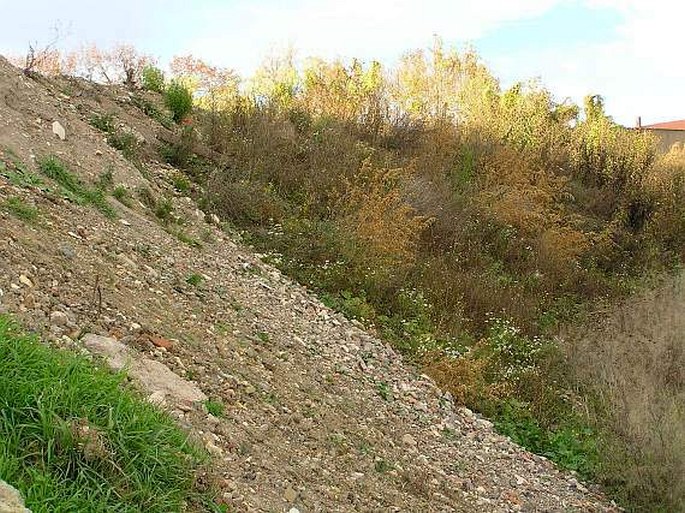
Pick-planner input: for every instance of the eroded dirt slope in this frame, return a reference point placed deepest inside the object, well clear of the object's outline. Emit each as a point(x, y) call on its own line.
point(319, 415)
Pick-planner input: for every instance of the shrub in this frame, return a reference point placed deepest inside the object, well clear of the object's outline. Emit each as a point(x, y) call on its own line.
point(122, 195)
point(164, 210)
point(152, 79)
point(178, 100)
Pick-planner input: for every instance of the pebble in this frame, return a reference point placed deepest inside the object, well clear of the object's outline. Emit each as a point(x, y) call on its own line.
point(409, 440)
point(58, 318)
point(290, 494)
point(24, 280)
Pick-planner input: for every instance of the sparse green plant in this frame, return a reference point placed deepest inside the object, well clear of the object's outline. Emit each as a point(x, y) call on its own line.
point(263, 337)
point(194, 279)
point(153, 79)
point(180, 183)
point(215, 407)
point(103, 122)
point(126, 142)
point(19, 176)
point(187, 239)
point(150, 109)
point(122, 195)
point(73, 188)
point(178, 100)
point(21, 210)
point(105, 180)
point(384, 390)
point(382, 466)
point(164, 210)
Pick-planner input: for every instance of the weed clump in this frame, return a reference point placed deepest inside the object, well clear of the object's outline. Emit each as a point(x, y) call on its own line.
point(21, 210)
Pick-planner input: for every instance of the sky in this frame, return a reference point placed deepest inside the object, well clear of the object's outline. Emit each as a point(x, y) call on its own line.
point(626, 50)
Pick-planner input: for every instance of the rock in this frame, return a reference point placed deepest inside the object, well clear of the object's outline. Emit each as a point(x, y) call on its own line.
point(157, 398)
point(293, 510)
point(10, 500)
point(117, 354)
point(152, 375)
point(58, 130)
point(24, 280)
point(213, 449)
point(67, 251)
point(161, 342)
point(409, 440)
point(290, 494)
point(58, 318)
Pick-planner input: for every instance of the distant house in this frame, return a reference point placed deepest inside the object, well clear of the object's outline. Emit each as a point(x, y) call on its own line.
point(669, 133)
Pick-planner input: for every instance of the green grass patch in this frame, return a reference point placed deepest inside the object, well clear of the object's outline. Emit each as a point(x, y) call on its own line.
point(17, 173)
point(215, 407)
point(186, 239)
point(164, 210)
point(194, 279)
point(125, 142)
point(73, 438)
point(21, 210)
point(73, 188)
point(180, 183)
point(122, 195)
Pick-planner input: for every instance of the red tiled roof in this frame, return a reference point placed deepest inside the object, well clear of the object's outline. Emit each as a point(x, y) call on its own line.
point(668, 125)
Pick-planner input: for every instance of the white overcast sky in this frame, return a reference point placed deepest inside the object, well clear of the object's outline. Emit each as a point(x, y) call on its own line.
point(627, 50)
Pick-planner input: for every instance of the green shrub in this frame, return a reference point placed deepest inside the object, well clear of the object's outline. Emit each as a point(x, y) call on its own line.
point(153, 79)
point(150, 109)
point(164, 210)
point(122, 195)
point(178, 100)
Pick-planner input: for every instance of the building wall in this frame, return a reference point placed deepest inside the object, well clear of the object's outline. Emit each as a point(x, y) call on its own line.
point(668, 138)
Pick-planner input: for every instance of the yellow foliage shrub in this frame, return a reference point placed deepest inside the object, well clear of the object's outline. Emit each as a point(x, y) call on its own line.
point(375, 212)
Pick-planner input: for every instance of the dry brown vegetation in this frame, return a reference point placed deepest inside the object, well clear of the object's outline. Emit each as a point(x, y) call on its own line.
point(634, 361)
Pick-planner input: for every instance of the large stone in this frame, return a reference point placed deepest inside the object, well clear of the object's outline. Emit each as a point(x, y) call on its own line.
point(155, 377)
point(58, 130)
point(10, 500)
point(117, 354)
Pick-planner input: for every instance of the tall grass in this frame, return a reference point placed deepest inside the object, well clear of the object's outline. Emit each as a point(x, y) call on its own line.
point(634, 365)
